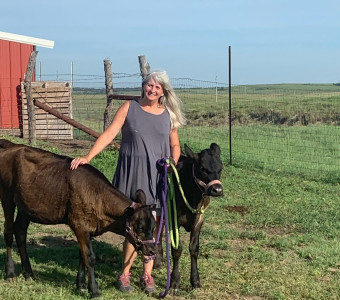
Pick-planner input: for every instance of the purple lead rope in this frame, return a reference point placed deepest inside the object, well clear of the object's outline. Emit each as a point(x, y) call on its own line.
point(164, 219)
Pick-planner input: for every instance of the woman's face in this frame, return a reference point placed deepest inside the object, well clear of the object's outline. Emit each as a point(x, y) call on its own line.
point(153, 90)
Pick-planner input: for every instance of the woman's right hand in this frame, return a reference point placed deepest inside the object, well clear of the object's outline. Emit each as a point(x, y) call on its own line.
point(77, 162)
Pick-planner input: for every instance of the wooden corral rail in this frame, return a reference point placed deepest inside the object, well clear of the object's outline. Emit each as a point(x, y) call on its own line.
point(56, 95)
point(68, 120)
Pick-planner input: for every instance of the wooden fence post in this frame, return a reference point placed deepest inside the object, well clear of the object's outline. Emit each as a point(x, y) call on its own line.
point(108, 113)
point(143, 65)
point(30, 105)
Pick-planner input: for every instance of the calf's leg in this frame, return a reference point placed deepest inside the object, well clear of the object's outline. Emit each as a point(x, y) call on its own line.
point(80, 281)
point(89, 259)
point(20, 231)
point(194, 250)
point(175, 274)
point(158, 262)
point(9, 208)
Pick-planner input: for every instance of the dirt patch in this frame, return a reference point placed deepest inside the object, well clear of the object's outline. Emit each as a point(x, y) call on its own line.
point(71, 147)
point(238, 208)
point(238, 245)
point(110, 238)
point(61, 235)
point(279, 230)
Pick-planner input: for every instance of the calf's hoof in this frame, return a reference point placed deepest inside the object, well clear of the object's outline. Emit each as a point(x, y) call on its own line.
point(196, 285)
point(81, 286)
point(174, 292)
point(28, 276)
point(195, 282)
point(174, 286)
point(10, 276)
point(11, 279)
point(10, 270)
point(95, 294)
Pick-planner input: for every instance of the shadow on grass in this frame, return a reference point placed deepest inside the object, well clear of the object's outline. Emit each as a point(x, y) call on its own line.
point(55, 260)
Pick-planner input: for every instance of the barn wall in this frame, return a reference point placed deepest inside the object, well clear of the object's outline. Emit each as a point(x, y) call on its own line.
point(14, 58)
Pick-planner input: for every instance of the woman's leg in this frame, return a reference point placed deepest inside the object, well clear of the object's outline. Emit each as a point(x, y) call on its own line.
point(146, 279)
point(129, 255)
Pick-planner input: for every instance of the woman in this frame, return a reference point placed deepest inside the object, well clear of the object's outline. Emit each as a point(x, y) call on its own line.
point(149, 132)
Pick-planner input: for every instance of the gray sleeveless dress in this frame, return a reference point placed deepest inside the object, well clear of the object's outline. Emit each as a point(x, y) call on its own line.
point(145, 139)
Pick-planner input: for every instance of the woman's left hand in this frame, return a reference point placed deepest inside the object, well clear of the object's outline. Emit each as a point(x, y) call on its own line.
point(77, 162)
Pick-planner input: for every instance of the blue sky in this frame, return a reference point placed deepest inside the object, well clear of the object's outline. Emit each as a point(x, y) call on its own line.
point(277, 41)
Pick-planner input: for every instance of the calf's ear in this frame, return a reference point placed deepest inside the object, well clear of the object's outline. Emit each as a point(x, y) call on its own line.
point(216, 148)
point(190, 153)
point(140, 197)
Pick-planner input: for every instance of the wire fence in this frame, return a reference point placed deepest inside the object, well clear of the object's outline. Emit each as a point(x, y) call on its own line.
point(288, 128)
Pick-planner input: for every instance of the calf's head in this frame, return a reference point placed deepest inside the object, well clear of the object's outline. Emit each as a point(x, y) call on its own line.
point(140, 225)
point(207, 169)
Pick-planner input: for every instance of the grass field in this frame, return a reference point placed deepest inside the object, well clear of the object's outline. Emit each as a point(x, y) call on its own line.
point(269, 237)
point(286, 104)
point(274, 234)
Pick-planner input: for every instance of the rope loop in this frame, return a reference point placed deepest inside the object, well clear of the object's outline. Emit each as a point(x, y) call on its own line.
point(172, 211)
point(193, 210)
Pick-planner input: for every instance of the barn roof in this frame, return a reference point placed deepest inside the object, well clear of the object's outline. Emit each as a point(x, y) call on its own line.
point(26, 39)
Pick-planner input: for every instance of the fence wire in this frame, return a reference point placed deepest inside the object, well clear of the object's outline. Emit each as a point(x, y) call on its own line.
point(288, 128)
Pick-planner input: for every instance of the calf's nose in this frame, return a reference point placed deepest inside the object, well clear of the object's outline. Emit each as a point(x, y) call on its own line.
point(216, 190)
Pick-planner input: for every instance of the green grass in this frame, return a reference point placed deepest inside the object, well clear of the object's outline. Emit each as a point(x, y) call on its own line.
point(286, 246)
point(270, 236)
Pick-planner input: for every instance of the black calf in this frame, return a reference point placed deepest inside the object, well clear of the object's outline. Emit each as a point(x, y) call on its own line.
point(199, 175)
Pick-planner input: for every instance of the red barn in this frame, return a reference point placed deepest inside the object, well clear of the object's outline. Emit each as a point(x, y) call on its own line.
point(15, 51)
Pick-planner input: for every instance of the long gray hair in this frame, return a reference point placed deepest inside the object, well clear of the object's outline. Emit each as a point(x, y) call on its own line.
point(170, 100)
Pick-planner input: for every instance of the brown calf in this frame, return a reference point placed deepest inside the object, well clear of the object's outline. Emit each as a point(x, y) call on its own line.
point(44, 190)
